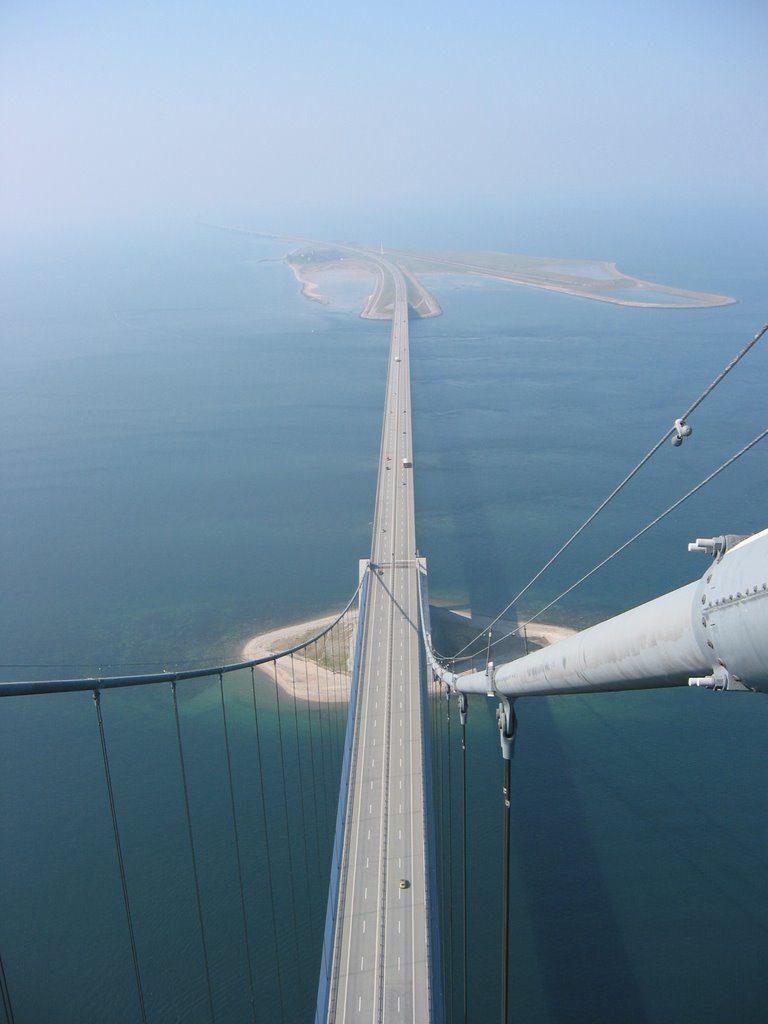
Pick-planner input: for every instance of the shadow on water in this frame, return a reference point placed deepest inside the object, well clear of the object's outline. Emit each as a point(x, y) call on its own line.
point(479, 560)
point(585, 969)
point(569, 960)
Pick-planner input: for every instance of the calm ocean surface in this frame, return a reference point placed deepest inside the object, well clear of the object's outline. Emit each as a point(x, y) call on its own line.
point(188, 453)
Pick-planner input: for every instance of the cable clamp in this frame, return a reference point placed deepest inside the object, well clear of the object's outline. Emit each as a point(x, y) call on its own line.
point(682, 430)
point(507, 720)
point(490, 675)
point(463, 708)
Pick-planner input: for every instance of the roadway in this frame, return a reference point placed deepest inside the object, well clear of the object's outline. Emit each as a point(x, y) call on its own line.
point(380, 967)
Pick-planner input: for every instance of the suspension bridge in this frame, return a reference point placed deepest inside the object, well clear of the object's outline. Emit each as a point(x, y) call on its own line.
point(379, 956)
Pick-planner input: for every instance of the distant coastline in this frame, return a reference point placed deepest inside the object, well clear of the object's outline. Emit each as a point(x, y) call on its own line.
point(597, 280)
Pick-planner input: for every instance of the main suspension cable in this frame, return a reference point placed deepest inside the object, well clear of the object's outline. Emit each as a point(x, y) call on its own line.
point(632, 473)
point(636, 536)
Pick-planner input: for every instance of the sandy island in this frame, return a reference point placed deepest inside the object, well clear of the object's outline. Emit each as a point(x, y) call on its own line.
point(322, 673)
point(597, 280)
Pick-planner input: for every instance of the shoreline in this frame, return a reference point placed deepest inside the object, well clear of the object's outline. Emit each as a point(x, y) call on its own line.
point(309, 288)
point(311, 682)
point(705, 300)
point(299, 676)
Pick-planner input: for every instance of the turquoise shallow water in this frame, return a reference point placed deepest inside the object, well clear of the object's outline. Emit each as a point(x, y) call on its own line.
point(188, 456)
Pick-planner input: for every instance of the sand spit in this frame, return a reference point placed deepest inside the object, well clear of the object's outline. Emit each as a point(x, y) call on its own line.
point(322, 673)
point(310, 286)
point(584, 279)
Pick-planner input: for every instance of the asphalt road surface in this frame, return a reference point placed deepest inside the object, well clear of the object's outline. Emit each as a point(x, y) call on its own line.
point(381, 970)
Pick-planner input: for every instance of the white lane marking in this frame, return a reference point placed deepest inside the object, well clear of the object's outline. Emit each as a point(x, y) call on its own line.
point(398, 967)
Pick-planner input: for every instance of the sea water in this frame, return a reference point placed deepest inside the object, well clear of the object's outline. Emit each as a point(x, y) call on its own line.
point(188, 457)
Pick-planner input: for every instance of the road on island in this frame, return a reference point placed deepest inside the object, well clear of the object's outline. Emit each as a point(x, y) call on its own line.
point(381, 956)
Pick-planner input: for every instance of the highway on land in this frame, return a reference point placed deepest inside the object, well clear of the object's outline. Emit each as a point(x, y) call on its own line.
point(381, 963)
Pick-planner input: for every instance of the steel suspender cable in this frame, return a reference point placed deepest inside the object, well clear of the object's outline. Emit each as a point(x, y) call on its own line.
point(450, 846)
point(344, 668)
point(462, 699)
point(320, 729)
point(285, 811)
point(268, 850)
point(192, 854)
point(237, 851)
point(505, 896)
point(310, 730)
point(120, 861)
point(444, 890)
point(636, 536)
point(7, 1005)
point(310, 902)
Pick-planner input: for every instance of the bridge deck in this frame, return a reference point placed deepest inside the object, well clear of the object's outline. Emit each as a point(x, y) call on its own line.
point(380, 966)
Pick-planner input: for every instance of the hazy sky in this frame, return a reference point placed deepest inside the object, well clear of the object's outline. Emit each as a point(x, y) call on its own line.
point(209, 109)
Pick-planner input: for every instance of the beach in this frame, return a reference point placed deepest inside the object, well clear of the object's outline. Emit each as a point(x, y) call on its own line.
point(309, 675)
